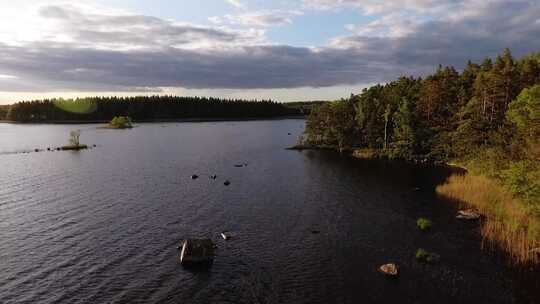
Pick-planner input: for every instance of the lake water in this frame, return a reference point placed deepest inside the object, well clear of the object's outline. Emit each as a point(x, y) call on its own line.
point(102, 226)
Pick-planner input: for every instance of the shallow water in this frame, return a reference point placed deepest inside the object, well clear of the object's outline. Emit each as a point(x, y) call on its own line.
point(102, 226)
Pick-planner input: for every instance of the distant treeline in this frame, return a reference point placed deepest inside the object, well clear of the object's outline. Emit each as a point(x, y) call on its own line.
point(142, 108)
point(3, 111)
point(305, 107)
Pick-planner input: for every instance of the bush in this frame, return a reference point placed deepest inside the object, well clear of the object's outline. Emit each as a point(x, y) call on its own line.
point(523, 179)
point(423, 224)
point(421, 254)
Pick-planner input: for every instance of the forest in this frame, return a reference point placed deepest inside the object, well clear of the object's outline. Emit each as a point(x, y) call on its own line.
point(142, 108)
point(3, 111)
point(485, 118)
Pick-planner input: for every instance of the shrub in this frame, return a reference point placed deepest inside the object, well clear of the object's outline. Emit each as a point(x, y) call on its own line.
point(421, 254)
point(424, 224)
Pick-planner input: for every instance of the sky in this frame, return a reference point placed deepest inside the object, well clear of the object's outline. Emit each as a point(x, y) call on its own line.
point(282, 50)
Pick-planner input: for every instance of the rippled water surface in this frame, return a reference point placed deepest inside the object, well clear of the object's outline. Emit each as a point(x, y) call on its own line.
point(102, 226)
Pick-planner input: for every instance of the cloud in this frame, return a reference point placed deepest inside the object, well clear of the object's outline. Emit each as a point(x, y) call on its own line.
point(103, 51)
point(382, 7)
point(392, 25)
point(4, 76)
point(258, 18)
point(236, 3)
point(136, 31)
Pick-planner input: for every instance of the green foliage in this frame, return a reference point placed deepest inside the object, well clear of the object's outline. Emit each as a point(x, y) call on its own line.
point(421, 254)
point(523, 179)
point(423, 224)
point(404, 137)
point(524, 112)
point(121, 122)
point(332, 124)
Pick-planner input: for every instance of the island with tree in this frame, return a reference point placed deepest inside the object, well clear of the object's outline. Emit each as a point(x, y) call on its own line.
point(120, 122)
point(74, 142)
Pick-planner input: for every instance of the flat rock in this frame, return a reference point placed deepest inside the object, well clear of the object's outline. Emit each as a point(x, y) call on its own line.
point(468, 214)
point(390, 269)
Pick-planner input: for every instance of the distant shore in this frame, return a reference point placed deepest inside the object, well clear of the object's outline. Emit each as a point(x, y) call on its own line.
point(179, 120)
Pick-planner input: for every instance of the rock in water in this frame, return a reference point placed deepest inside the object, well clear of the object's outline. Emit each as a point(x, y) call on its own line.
point(389, 269)
point(194, 176)
point(196, 252)
point(468, 214)
point(226, 183)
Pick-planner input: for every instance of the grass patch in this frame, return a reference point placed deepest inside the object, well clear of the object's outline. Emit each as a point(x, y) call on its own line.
point(509, 223)
point(423, 224)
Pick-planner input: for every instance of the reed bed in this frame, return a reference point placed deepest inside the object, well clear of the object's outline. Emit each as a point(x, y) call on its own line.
point(508, 223)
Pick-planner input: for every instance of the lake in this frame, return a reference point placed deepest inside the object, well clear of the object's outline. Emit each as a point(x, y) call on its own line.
point(102, 226)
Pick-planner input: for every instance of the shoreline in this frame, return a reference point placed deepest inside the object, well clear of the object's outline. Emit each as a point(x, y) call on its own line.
point(471, 190)
point(171, 120)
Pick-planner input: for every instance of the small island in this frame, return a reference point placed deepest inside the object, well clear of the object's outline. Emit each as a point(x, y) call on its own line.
point(120, 122)
point(74, 143)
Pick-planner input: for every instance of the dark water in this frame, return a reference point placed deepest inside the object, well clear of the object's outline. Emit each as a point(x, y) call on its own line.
point(102, 226)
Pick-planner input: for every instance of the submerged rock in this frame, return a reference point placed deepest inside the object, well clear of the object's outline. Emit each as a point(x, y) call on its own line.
point(194, 176)
point(390, 269)
point(429, 257)
point(226, 183)
point(468, 214)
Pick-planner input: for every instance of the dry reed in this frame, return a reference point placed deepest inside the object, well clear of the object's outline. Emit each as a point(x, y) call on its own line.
point(508, 224)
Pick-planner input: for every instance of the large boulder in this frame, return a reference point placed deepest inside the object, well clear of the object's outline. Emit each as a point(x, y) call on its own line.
point(196, 252)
